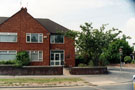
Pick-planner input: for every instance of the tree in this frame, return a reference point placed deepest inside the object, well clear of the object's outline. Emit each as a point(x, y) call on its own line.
point(112, 52)
point(91, 42)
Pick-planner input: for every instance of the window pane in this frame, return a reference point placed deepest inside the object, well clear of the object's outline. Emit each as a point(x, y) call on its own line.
point(7, 57)
point(8, 38)
point(34, 55)
point(52, 56)
point(59, 38)
point(12, 52)
point(40, 55)
point(62, 56)
point(3, 52)
point(57, 57)
point(34, 37)
point(40, 38)
point(52, 40)
point(28, 38)
point(52, 63)
point(57, 63)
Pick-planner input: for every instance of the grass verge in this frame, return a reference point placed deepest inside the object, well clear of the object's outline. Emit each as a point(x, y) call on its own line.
point(40, 82)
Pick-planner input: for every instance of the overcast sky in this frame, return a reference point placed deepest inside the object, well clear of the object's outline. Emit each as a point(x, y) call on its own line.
point(72, 13)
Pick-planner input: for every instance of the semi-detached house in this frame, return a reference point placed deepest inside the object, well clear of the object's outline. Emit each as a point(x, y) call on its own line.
point(40, 37)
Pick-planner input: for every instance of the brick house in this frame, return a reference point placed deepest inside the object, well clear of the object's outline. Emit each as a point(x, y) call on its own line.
point(22, 32)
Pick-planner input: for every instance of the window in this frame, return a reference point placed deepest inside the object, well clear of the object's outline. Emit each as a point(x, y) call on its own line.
point(36, 55)
point(34, 38)
point(57, 39)
point(8, 55)
point(8, 37)
point(57, 58)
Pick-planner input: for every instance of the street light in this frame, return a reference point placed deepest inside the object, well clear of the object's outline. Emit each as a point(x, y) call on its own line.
point(121, 53)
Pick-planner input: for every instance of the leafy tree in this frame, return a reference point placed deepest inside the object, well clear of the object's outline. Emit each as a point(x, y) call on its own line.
point(99, 46)
point(112, 52)
point(91, 42)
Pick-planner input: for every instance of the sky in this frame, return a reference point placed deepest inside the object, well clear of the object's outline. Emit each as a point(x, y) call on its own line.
point(73, 13)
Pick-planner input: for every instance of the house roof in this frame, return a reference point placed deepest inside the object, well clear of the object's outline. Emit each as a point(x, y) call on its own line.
point(50, 25)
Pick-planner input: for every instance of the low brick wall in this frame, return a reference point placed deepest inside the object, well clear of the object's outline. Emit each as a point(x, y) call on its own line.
point(88, 71)
point(31, 70)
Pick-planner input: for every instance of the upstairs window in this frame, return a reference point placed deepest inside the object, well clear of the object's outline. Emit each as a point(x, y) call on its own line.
point(57, 39)
point(34, 38)
point(8, 37)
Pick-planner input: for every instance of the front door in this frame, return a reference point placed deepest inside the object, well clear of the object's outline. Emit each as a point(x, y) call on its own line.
point(56, 58)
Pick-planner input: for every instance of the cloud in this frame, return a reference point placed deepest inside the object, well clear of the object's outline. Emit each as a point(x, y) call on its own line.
point(130, 29)
point(57, 7)
point(47, 8)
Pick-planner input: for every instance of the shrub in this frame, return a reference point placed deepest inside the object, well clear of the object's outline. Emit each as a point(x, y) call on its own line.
point(103, 59)
point(133, 61)
point(127, 59)
point(82, 65)
point(22, 59)
point(8, 62)
point(91, 63)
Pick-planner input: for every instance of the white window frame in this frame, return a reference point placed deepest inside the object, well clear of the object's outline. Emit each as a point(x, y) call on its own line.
point(60, 55)
point(39, 59)
point(54, 40)
point(9, 33)
point(8, 52)
point(39, 34)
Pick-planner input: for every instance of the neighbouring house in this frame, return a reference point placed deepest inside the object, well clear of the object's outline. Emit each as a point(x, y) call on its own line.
point(40, 37)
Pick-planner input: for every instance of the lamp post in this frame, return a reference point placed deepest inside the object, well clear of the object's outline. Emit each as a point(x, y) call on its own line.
point(121, 53)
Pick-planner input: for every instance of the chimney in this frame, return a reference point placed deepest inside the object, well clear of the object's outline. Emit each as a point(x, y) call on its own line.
point(24, 8)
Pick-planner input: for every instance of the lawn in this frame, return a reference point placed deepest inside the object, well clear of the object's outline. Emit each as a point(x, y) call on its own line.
point(40, 82)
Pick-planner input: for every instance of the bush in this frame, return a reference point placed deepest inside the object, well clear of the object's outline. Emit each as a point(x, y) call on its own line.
point(22, 59)
point(103, 59)
point(133, 62)
point(91, 63)
point(8, 62)
point(82, 65)
point(127, 59)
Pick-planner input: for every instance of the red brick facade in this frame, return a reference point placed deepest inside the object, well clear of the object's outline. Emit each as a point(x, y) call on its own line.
point(22, 23)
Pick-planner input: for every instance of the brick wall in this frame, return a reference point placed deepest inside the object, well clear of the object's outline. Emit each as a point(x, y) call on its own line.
point(30, 70)
point(88, 71)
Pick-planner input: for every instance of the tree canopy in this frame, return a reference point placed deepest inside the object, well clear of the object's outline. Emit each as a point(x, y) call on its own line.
point(92, 44)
